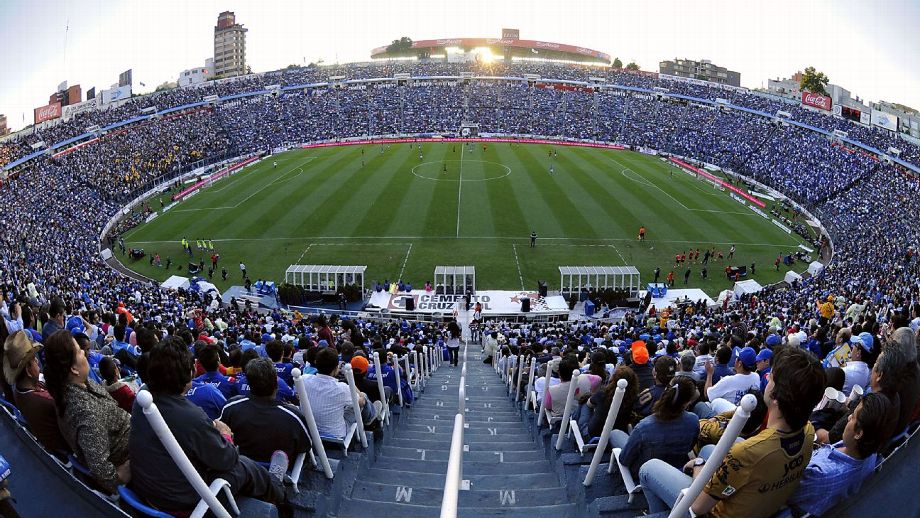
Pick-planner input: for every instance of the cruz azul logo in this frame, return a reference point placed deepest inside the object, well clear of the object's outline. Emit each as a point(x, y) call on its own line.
point(432, 302)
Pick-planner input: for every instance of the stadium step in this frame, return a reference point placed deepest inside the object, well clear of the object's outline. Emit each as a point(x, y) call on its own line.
point(507, 469)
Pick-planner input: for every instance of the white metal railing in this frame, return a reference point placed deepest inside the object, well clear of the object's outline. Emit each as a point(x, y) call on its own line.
point(417, 383)
point(405, 360)
point(530, 381)
point(395, 361)
point(208, 494)
point(608, 426)
point(307, 412)
point(378, 370)
point(356, 403)
point(454, 478)
point(688, 496)
point(546, 379)
point(517, 384)
point(567, 412)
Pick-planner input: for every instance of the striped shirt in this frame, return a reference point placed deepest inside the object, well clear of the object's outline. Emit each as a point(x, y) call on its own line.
point(328, 399)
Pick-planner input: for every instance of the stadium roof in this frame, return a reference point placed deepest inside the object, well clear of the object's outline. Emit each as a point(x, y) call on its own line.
point(503, 46)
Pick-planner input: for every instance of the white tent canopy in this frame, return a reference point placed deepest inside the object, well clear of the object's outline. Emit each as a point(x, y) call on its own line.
point(574, 278)
point(747, 287)
point(324, 277)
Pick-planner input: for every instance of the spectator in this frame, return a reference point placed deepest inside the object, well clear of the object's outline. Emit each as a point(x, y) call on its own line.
point(262, 424)
point(331, 400)
point(760, 474)
point(120, 391)
point(23, 372)
point(667, 434)
point(95, 428)
point(600, 403)
point(207, 443)
point(837, 472)
point(721, 369)
point(856, 370)
point(209, 357)
point(665, 368)
point(732, 388)
point(556, 396)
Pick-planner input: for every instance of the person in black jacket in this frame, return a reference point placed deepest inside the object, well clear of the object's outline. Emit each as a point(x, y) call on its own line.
point(262, 424)
point(208, 444)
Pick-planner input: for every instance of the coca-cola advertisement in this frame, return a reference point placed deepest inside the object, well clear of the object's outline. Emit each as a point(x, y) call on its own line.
point(48, 112)
point(814, 100)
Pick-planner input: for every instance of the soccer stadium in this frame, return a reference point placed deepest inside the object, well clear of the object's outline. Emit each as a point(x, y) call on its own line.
point(458, 277)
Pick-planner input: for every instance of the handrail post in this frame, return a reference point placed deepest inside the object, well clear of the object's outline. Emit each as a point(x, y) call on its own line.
point(424, 363)
point(549, 374)
point(454, 477)
point(408, 369)
point(356, 403)
point(742, 413)
point(395, 361)
point(418, 371)
point(155, 418)
point(378, 368)
point(567, 412)
point(517, 384)
point(307, 412)
point(612, 413)
point(530, 380)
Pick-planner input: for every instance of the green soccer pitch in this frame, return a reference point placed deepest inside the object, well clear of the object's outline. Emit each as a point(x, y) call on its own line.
point(459, 204)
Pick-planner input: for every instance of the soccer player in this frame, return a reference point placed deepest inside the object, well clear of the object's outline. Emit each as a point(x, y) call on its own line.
point(533, 239)
point(641, 233)
point(731, 252)
point(274, 164)
point(552, 170)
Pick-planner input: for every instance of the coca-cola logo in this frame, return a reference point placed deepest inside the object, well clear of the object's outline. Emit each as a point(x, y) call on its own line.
point(816, 100)
point(47, 112)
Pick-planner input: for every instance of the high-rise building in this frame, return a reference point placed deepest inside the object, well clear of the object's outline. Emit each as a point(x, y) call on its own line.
point(229, 46)
point(703, 70)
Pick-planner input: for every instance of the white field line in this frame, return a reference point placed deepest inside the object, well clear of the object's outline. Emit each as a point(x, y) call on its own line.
point(495, 238)
point(648, 182)
point(257, 191)
point(228, 177)
point(406, 260)
point(460, 188)
point(305, 250)
point(518, 264)
point(617, 250)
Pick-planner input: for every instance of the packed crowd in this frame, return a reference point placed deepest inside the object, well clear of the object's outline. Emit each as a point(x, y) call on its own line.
point(52, 214)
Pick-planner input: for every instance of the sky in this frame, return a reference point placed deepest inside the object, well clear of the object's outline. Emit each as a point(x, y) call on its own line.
point(870, 48)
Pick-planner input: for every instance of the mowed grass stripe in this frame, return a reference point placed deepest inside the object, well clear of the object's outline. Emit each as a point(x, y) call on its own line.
point(549, 199)
point(411, 217)
point(389, 198)
point(508, 219)
point(601, 209)
point(648, 205)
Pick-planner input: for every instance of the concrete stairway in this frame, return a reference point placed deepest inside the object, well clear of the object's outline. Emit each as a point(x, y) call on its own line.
point(508, 472)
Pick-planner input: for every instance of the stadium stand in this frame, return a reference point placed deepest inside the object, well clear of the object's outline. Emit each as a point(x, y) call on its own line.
point(53, 210)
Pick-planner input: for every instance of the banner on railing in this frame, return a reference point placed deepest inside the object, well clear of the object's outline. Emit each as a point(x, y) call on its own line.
point(493, 302)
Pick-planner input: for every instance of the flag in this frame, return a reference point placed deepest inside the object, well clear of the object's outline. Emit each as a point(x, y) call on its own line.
point(142, 84)
point(534, 51)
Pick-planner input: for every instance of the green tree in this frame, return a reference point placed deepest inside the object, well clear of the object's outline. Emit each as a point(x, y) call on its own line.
point(814, 81)
point(632, 66)
point(617, 64)
point(401, 46)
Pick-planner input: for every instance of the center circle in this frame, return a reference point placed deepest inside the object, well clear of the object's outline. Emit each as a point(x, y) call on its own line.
point(435, 171)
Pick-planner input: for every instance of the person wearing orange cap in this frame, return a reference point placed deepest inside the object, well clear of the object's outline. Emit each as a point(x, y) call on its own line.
point(640, 365)
point(359, 366)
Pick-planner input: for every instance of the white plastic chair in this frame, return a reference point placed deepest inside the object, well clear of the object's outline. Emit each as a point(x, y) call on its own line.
point(307, 412)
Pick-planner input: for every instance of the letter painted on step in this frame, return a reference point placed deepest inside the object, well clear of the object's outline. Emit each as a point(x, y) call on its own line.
point(430, 428)
point(422, 452)
point(507, 497)
point(404, 494)
point(501, 455)
point(492, 431)
point(438, 403)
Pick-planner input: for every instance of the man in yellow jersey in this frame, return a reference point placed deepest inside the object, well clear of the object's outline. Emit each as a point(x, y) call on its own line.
point(757, 475)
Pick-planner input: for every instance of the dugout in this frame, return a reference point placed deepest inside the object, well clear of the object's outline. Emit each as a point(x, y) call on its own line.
point(454, 280)
point(575, 279)
point(324, 277)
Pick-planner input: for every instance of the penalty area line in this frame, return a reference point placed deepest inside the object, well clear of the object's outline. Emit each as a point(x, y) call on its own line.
point(405, 260)
point(518, 264)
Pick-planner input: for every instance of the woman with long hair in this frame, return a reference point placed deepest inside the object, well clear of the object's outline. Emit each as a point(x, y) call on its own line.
point(93, 424)
point(453, 342)
point(601, 400)
point(667, 434)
